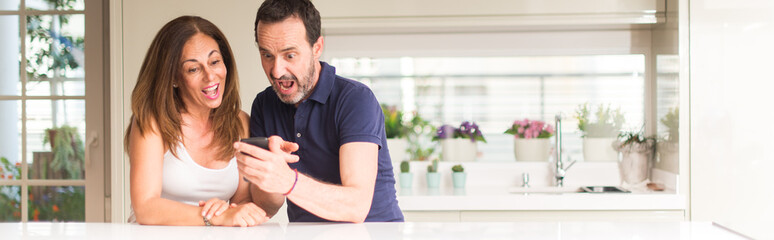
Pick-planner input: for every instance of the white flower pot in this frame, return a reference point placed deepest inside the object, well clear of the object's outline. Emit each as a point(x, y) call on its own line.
point(634, 167)
point(397, 147)
point(459, 150)
point(599, 150)
point(531, 150)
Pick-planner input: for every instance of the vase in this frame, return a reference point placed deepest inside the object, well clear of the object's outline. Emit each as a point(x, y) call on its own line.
point(668, 156)
point(458, 150)
point(406, 179)
point(458, 179)
point(433, 179)
point(635, 163)
point(599, 149)
point(531, 150)
point(397, 148)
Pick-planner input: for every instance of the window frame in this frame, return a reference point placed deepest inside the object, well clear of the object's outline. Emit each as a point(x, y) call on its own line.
point(94, 142)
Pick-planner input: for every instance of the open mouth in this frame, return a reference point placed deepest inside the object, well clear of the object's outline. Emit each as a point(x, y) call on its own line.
point(211, 92)
point(285, 85)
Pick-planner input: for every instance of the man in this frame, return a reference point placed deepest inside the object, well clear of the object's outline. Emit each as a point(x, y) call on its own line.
point(344, 172)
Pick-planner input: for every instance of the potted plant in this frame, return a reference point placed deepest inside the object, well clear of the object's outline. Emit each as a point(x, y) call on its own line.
point(531, 140)
point(433, 177)
point(395, 130)
point(10, 209)
point(667, 147)
point(67, 149)
point(420, 131)
point(459, 144)
point(458, 176)
point(599, 132)
point(636, 151)
point(406, 177)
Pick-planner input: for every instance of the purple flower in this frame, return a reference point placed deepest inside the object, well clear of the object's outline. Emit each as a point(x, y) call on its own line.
point(467, 129)
point(445, 131)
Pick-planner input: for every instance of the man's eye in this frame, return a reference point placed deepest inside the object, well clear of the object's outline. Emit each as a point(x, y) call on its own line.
point(291, 55)
point(267, 55)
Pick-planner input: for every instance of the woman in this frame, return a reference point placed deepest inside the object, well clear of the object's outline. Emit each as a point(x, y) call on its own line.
point(186, 116)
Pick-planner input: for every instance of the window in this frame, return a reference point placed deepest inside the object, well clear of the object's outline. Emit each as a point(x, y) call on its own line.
point(43, 98)
point(495, 91)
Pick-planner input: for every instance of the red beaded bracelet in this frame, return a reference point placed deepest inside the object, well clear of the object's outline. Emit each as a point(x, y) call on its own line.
point(294, 183)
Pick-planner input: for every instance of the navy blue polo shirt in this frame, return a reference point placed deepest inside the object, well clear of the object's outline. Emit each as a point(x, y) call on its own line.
point(338, 111)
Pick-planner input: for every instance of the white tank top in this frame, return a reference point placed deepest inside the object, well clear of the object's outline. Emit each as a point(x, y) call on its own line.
point(186, 181)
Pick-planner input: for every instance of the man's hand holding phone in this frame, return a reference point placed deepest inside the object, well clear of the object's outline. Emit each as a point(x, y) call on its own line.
point(267, 167)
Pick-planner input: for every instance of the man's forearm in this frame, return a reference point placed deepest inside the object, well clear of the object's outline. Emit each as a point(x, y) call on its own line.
point(332, 202)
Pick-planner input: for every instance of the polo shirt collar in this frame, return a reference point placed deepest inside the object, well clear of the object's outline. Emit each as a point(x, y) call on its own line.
point(324, 83)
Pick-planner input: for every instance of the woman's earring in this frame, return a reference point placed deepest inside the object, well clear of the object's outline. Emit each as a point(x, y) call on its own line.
point(174, 85)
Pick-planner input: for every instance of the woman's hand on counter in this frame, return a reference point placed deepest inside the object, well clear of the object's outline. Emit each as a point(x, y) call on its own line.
point(214, 207)
point(243, 215)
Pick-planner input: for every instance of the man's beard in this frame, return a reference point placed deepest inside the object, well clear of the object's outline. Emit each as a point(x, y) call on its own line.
point(303, 88)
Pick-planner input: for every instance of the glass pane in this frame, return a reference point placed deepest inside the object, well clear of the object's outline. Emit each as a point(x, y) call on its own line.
point(60, 204)
point(64, 122)
point(496, 91)
point(10, 49)
point(10, 209)
point(668, 112)
point(55, 56)
point(6, 5)
point(10, 135)
point(54, 4)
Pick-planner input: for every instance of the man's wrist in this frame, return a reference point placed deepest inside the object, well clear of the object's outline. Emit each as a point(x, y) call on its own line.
point(295, 181)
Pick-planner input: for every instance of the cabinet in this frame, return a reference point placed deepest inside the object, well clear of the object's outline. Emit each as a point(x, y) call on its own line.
point(542, 215)
point(358, 16)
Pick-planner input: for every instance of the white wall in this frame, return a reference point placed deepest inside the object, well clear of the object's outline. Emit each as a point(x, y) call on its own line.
point(731, 45)
point(143, 18)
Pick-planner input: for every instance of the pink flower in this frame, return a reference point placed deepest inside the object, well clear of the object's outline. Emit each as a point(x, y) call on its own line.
point(538, 124)
point(550, 129)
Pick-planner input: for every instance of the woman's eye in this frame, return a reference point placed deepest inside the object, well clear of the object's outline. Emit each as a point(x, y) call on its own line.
point(215, 62)
point(193, 70)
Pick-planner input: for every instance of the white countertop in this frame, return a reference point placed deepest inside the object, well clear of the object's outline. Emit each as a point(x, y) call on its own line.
point(500, 198)
point(411, 230)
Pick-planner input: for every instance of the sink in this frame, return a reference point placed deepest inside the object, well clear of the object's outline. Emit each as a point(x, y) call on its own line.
point(545, 189)
point(603, 189)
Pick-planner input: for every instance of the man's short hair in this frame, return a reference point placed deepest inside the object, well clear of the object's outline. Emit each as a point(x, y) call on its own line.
point(272, 11)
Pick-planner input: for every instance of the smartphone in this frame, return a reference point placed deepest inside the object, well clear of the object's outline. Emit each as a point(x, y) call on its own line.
point(262, 142)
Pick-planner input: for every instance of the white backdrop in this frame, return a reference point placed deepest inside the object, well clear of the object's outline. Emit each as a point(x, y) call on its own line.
point(731, 95)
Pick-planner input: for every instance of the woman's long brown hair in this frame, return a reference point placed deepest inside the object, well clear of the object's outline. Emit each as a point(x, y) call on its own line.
point(154, 98)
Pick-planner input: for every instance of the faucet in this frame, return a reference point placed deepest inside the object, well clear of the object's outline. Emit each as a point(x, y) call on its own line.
point(560, 170)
